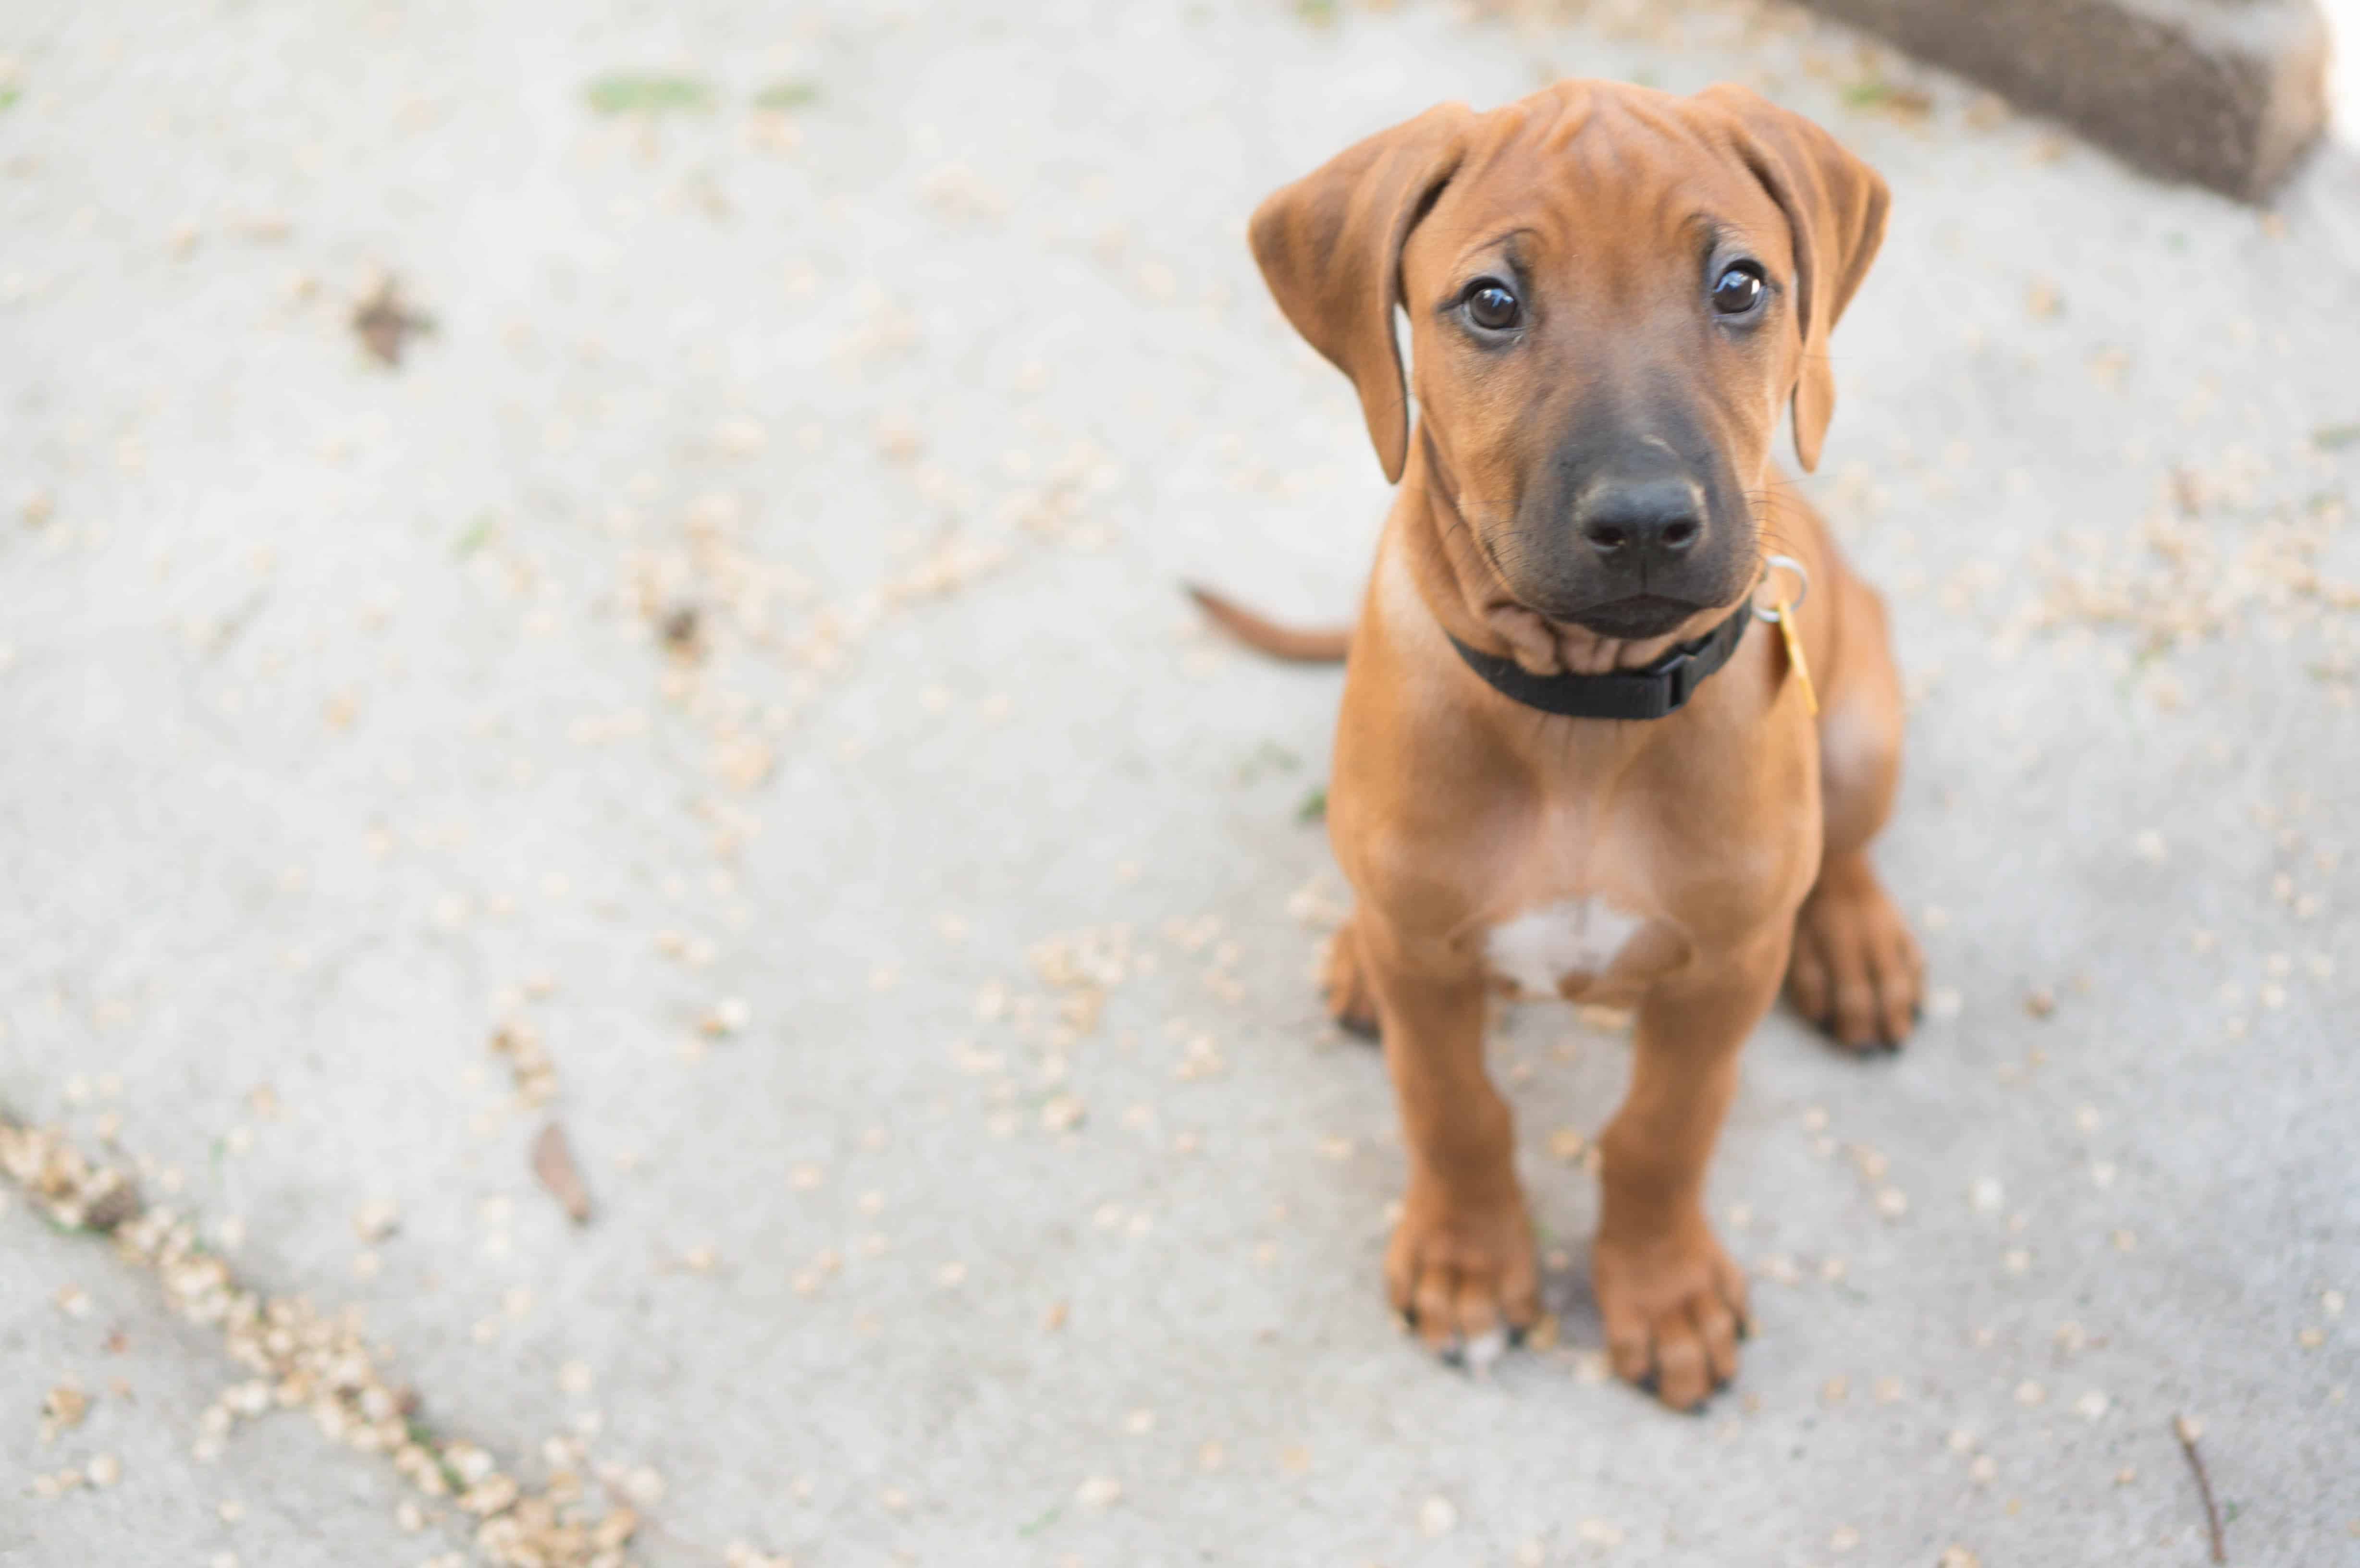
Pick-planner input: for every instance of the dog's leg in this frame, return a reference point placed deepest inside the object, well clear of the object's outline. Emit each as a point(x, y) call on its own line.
point(1857, 969)
point(1672, 1300)
point(1461, 1267)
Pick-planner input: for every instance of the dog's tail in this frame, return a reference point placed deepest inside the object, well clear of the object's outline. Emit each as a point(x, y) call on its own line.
point(1296, 645)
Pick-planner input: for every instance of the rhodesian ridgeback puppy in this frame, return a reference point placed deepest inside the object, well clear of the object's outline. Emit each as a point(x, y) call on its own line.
point(1563, 766)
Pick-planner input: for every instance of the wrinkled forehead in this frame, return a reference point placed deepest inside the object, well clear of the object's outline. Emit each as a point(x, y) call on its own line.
point(1624, 184)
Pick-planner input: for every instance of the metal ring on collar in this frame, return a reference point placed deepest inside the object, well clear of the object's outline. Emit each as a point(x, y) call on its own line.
point(1771, 563)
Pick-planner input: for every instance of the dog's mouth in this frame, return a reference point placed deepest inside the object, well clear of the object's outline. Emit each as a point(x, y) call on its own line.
point(1635, 619)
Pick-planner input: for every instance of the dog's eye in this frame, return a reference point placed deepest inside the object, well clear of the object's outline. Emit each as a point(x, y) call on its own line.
point(1492, 307)
point(1740, 289)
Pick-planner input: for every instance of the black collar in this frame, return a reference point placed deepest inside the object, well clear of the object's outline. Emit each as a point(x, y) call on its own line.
point(1649, 694)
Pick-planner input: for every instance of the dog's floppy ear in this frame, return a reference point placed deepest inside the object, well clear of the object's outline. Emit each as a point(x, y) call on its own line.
point(1835, 207)
point(1330, 244)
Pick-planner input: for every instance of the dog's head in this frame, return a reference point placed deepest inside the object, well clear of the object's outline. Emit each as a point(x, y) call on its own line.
point(1612, 293)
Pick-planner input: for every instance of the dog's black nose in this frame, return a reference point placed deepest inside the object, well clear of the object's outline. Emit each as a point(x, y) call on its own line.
point(1633, 521)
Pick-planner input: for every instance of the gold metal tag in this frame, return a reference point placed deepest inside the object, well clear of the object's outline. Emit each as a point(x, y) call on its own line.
point(1794, 640)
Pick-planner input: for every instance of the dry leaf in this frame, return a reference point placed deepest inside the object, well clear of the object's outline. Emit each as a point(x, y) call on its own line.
point(385, 323)
point(683, 632)
point(552, 1165)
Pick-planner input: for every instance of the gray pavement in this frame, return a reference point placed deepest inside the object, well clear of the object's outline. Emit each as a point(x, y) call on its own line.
point(918, 928)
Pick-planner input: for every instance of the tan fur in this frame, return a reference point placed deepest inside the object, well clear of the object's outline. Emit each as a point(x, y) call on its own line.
point(1686, 867)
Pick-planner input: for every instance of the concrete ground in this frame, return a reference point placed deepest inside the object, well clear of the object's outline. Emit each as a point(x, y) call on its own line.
point(736, 653)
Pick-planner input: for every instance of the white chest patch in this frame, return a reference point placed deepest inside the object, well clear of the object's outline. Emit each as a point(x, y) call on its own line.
point(1540, 947)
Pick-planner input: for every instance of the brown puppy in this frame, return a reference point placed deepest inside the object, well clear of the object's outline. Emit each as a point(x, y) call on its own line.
point(1613, 295)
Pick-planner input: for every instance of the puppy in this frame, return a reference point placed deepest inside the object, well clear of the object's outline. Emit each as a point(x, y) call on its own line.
point(1618, 723)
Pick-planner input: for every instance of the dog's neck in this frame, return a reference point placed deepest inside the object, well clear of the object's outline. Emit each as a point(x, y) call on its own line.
point(1466, 594)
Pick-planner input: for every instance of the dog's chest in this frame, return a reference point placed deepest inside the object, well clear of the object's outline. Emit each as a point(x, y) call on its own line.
point(1559, 948)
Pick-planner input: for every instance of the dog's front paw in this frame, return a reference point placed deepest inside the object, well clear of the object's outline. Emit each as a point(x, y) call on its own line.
point(1856, 971)
point(1464, 1279)
point(1674, 1309)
